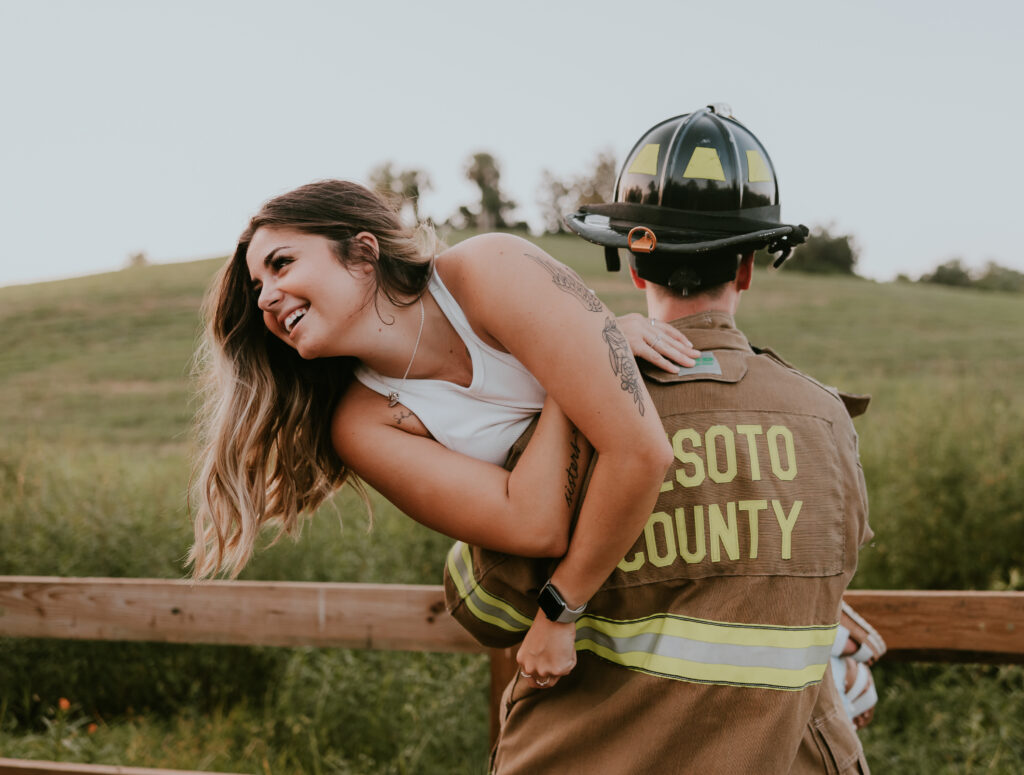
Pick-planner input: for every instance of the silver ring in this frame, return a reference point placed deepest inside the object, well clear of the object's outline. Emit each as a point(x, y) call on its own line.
point(544, 682)
point(525, 675)
point(654, 321)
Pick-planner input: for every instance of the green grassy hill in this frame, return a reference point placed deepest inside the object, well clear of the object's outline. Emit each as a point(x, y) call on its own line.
point(94, 464)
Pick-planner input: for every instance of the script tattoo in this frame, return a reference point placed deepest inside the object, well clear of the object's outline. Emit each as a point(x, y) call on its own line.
point(573, 471)
point(623, 365)
point(567, 280)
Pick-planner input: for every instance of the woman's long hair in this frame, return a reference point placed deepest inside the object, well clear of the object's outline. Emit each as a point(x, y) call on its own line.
point(264, 424)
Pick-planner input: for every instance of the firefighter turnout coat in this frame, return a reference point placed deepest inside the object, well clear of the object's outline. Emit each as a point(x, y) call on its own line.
point(707, 649)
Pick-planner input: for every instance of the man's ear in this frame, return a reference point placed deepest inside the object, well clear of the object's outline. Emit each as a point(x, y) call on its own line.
point(638, 281)
point(745, 272)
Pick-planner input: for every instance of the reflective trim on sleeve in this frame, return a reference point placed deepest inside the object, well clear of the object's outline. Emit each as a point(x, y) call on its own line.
point(483, 605)
point(673, 646)
point(702, 651)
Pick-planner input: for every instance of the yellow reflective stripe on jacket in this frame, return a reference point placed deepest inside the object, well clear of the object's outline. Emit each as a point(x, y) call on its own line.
point(674, 646)
point(687, 649)
point(484, 606)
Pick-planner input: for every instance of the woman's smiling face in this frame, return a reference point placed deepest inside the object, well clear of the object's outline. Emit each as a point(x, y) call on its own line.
point(309, 299)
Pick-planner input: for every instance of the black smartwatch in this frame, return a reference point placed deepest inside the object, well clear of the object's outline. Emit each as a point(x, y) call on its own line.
point(554, 606)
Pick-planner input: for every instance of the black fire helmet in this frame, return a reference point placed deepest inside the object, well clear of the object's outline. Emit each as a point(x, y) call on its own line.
point(696, 191)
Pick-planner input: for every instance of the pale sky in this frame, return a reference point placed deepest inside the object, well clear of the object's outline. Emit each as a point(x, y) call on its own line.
point(162, 126)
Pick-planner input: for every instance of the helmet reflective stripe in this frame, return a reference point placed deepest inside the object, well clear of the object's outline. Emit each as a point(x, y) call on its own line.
point(646, 162)
point(484, 606)
point(705, 164)
point(757, 167)
point(686, 649)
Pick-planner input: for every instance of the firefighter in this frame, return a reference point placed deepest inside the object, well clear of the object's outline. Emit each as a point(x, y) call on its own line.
point(707, 650)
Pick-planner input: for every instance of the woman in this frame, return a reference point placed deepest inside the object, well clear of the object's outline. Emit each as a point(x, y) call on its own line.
point(336, 346)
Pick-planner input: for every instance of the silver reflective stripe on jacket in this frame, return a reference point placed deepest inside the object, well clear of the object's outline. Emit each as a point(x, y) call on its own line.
point(687, 649)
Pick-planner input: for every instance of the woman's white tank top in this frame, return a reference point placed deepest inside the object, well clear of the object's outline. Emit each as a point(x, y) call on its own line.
point(482, 420)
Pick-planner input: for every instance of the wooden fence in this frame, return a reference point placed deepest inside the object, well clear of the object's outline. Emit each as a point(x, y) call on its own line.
point(917, 625)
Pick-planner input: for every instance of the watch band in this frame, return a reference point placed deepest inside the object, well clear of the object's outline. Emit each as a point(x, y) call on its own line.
point(554, 606)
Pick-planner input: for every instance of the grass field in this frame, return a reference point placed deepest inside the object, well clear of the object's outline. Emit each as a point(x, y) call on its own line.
point(94, 464)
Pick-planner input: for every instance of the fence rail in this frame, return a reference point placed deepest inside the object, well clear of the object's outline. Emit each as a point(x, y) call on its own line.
point(392, 617)
point(922, 626)
point(29, 767)
point(956, 626)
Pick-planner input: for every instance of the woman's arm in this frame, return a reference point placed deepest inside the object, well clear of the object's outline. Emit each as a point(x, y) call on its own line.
point(529, 510)
point(543, 314)
point(526, 511)
point(519, 299)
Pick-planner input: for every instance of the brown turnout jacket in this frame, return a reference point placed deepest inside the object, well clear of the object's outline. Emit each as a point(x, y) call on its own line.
point(706, 650)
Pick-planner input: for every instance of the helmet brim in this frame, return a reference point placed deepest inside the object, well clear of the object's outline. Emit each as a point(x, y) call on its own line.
point(600, 230)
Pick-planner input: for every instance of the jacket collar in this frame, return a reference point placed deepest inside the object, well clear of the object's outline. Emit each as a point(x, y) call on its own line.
point(712, 330)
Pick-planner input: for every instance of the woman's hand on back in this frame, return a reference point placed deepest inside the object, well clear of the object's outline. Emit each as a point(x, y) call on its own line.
point(657, 342)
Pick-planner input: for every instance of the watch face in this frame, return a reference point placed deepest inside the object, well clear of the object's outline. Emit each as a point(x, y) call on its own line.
point(551, 602)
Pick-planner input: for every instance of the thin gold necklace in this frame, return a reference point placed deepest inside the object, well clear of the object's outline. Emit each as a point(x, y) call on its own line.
point(393, 395)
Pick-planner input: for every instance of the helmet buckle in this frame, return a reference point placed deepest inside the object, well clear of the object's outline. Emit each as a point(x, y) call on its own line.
point(641, 240)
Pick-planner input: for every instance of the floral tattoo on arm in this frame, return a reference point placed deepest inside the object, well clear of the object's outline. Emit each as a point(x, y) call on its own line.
point(567, 280)
point(623, 365)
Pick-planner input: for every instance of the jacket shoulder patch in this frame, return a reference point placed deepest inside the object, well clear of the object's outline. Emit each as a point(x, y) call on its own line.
point(718, 366)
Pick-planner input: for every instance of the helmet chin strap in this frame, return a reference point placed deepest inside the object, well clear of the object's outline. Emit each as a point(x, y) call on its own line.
point(784, 245)
point(611, 258)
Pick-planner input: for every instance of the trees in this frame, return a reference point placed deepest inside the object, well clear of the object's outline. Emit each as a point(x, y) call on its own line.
point(556, 196)
point(406, 185)
point(952, 272)
point(138, 258)
point(1000, 278)
point(992, 278)
point(482, 169)
point(822, 253)
point(553, 198)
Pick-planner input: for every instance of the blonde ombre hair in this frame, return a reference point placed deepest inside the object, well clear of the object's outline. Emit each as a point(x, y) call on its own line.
point(264, 424)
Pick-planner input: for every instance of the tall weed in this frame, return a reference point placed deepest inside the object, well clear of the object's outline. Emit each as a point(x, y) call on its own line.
point(947, 720)
point(327, 711)
point(947, 495)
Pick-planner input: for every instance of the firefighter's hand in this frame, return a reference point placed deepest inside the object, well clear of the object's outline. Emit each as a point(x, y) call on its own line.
point(657, 342)
point(548, 652)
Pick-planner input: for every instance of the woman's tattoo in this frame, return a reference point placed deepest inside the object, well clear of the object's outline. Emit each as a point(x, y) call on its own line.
point(573, 471)
point(567, 280)
point(623, 365)
point(401, 416)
